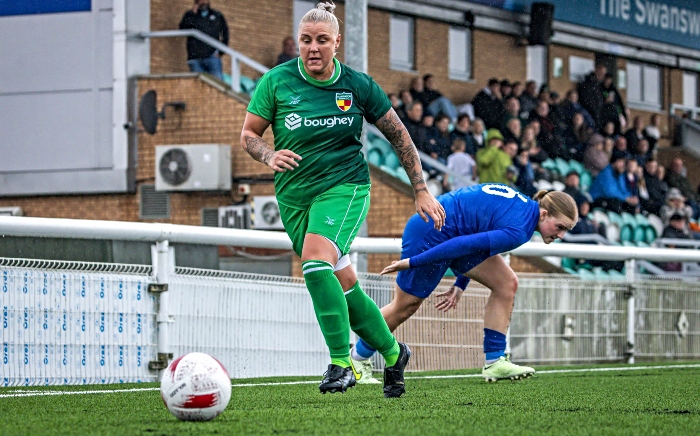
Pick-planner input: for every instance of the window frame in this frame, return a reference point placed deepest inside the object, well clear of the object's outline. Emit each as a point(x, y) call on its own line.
point(644, 102)
point(409, 64)
point(467, 74)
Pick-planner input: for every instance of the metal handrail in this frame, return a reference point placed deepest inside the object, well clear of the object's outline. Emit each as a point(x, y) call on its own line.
point(236, 57)
point(694, 110)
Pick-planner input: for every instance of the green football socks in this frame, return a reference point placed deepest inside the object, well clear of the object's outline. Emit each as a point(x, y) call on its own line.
point(330, 307)
point(367, 321)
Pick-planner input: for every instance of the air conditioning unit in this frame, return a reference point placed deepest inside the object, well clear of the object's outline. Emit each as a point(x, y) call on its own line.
point(197, 167)
point(235, 217)
point(266, 213)
point(11, 211)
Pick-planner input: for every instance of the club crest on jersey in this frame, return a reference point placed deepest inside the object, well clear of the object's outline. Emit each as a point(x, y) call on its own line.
point(343, 100)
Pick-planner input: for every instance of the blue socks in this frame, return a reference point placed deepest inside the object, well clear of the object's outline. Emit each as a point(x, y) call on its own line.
point(363, 350)
point(494, 345)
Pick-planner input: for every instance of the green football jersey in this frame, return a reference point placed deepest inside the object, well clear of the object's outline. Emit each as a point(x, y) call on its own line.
point(321, 121)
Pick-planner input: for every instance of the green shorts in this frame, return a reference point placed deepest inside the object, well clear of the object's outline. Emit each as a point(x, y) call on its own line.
point(336, 214)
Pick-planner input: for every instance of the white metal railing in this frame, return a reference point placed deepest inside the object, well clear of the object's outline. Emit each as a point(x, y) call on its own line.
point(163, 258)
point(693, 110)
point(236, 57)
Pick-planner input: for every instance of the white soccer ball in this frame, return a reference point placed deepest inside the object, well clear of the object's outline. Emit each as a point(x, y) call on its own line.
point(195, 387)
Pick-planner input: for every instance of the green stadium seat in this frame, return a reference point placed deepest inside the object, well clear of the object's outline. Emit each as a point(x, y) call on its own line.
point(599, 273)
point(382, 145)
point(586, 180)
point(576, 166)
point(401, 173)
point(389, 170)
point(640, 234)
point(247, 85)
point(549, 164)
point(616, 275)
point(650, 234)
point(586, 274)
point(562, 166)
point(615, 219)
point(567, 262)
point(391, 160)
point(569, 270)
point(375, 157)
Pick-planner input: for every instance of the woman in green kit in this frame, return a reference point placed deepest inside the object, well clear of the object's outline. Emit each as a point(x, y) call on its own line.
point(316, 106)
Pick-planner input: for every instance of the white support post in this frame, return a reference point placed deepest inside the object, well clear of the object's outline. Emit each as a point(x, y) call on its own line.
point(235, 74)
point(162, 262)
point(630, 266)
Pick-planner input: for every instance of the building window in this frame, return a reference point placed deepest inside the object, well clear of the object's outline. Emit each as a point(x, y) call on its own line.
point(690, 89)
point(401, 43)
point(301, 7)
point(644, 85)
point(460, 62)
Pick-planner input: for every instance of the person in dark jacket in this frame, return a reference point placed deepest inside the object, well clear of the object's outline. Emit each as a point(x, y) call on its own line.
point(488, 105)
point(655, 187)
point(201, 57)
point(590, 92)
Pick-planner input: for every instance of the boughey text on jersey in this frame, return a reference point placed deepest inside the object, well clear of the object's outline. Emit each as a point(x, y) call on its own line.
point(292, 121)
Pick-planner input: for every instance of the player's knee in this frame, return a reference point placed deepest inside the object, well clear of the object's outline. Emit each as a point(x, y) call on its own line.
point(511, 286)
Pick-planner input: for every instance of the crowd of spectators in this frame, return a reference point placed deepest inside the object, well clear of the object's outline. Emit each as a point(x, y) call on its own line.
point(510, 129)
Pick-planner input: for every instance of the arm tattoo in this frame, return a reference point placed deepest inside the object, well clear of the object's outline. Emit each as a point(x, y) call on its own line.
point(393, 129)
point(258, 149)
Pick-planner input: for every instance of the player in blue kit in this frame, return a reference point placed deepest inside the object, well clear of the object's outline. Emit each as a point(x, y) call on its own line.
point(482, 221)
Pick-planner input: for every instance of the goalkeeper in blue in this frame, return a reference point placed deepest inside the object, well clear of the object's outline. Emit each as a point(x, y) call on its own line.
point(482, 222)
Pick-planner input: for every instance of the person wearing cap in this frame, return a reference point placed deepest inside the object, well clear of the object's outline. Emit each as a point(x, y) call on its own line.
point(492, 160)
point(506, 89)
point(676, 178)
point(488, 104)
point(675, 205)
point(609, 188)
point(596, 158)
point(572, 183)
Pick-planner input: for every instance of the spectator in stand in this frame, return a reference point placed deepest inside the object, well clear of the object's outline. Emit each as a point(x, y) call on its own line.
point(525, 182)
point(289, 50)
point(517, 90)
point(512, 110)
point(675, 205)
point(610, 113)
point(506, 89)
point(608, 130)
point(415, 128)
point(635, 133)
point(610, 88)
point(633, 176)
point(201, 57)
point(571, 106)
point(395, 101)
point(479, 133)
point(463, 131)
point(572, 184)
point(590, 92)
point(439, 138)
point(437, 103)
point(676, 178)
point(512, 130)
point(653, 131)
point(642, 152)
point(488, 105)
point(528, 142)
point(528, 100)
point(406, 99)
point(461, 163)
point(595, 158)
point(493, 160)
point(577, 136)
point(609, 188)
point(620, 144)
point(586, 226)
point(417, 89)
point(557, 112)
point(655, 187)
point(547, 136)
point(677, 228)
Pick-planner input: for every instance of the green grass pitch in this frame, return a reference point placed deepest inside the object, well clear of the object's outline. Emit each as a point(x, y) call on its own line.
point(657, 399)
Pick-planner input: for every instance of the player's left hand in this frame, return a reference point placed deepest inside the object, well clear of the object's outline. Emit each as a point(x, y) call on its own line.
point(397, 265)
point(427, 204)
point(449, 299)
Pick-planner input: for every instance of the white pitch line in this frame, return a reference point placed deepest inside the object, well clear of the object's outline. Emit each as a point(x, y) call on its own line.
point(35, 393)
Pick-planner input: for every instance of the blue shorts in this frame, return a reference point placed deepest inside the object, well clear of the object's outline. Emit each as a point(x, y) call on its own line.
point(419, 236)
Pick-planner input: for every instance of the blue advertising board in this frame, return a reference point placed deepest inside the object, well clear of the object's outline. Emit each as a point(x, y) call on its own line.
point(675, 22)
point(31, 7)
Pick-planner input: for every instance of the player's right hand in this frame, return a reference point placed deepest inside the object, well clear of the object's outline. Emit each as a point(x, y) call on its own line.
point(283, 160)
point(426, 204)
point(449, 299)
